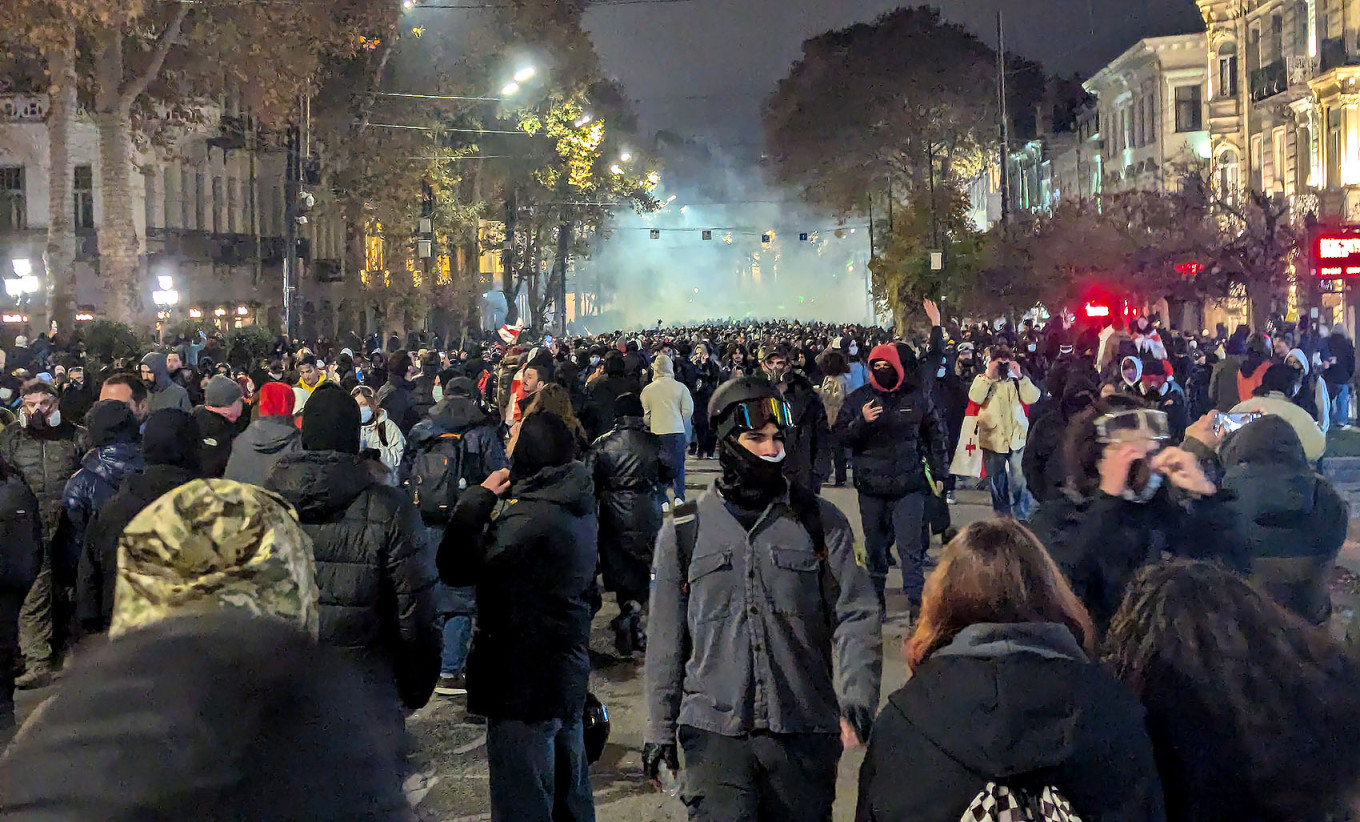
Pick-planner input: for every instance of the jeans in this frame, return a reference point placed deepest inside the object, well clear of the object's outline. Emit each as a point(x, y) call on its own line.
point(1010, 496)
point(901, 520)
point(761, 777)
point(457, 639)
point(1341, 404)
point(675, 445)
point(539, 772)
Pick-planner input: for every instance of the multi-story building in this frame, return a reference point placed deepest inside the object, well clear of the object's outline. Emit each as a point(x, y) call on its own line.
point(1150, 113)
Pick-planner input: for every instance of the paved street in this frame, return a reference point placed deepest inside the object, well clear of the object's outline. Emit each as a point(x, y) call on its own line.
point(451, 756)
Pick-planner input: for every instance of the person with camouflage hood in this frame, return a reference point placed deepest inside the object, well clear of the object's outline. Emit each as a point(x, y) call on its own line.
point(214, 545)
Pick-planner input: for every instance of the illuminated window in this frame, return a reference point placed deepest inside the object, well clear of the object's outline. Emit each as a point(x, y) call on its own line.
point(375, 253)
point(445, 270)
point(417, 279)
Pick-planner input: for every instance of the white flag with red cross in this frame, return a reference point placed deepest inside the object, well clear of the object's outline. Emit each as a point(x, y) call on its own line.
point(968, 454)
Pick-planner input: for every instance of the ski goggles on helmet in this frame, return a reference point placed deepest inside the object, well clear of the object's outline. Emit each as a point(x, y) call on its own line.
point(753, 415)
point(1135, 423)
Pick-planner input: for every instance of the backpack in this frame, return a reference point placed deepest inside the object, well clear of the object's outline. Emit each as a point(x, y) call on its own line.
point(997, 803)
point(833, 397)
point(440, 472)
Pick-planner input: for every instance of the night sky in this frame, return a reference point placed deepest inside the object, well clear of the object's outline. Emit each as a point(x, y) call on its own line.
point(705, 66)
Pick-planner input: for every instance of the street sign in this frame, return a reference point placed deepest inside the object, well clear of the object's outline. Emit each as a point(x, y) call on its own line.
point(802, 238)
point(656, 234)
point(708, 235)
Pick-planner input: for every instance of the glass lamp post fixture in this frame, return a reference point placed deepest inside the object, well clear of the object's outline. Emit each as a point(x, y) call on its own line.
point(23, 285)
point(166, 298)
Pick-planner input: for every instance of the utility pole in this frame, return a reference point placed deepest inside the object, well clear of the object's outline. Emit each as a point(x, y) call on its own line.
point(292, 193)
point(508, 257)
point(1005, 126)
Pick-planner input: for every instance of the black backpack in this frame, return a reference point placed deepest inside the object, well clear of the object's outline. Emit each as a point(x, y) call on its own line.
point(440, 472)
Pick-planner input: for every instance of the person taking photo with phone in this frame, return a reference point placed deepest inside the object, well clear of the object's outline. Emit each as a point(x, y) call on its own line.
point(1132, 498)
point(1003, 394)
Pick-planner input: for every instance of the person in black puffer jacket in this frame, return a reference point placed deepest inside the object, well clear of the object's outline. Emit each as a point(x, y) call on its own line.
point(20, 558)
point(530, 662)
point(1294, 521)
point(598, 415)
point(117, 452)
point(631, 471)
point(893, 430)
point(170, 450)
point(377, 585)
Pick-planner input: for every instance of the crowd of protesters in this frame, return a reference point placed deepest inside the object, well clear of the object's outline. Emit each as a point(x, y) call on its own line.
point(242, 574)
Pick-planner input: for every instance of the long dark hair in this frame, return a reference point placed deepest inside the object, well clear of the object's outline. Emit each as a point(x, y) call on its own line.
point(1237, 686)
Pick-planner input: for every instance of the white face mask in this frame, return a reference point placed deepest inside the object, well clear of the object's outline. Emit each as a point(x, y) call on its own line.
point(6, 394)
point(777, 458)
point(1032, 346)
point(365, 414)
point(54, 419)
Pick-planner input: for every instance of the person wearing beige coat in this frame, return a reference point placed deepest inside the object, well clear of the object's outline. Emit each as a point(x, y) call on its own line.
point(1003, 394)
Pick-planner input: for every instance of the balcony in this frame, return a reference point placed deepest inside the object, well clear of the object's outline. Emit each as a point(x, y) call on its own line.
point(1334, 54)
point(23, 108)
point(1268, 81)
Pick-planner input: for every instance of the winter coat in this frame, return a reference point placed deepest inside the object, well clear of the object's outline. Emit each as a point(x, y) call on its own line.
point(21, 555)
point(1223, 392)
point(1020, 705)
point(102, 471)
point(423, 395)
point(1002, 424)
point(888, 452)
point(215, 448)
point(397, 398)
point(383, 436)
point(666, 402)
point(1249, 378)
point(97, 568)
point(377, 584)
point(264, 442)
point(532, 565)
point(166, 393)
point(1100, 542)
point(1305, 427)
point(1294, 521)
point(630, 468)
point(1341, 373)
point(1044, 464)
point(598, 414)
point(808, 443)
point(46, 458)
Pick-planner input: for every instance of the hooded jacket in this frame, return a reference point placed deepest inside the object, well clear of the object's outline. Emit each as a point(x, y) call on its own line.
point(1020, 705)
point(531, 565)
point(1293, 520)
point(97, 567)
point(377, 585)
point(667, 404)
point(101, 472)
point(462, 416)
point(598, 415)
point(397, 398)
point(165, 393)
point(631, 470)
point(218, 437)
point(808, 443)
point(1312, 394)
point(214, 545)
point(1002, 421)
point(264, 442)
point(889, 451)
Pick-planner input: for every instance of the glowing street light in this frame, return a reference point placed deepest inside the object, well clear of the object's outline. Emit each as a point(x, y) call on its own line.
point(408, 4)
point(22, 267)
point(626, 157)
point(653, 178)
point(616, 170)
point(526, 74)
point(510, 89)
point(585, 120)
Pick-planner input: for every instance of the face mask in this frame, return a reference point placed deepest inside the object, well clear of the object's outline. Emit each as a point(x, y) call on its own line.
point(365, 414)
point(747, 480)
point(594, 361)
point(1149, 490)
point(854, 350)
point(274, 376)
point(1032, 347)
point(6, 394)
point(939, 373)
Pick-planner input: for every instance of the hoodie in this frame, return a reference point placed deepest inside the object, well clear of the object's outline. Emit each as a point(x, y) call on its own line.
point(462, 416)
point(1293, 519)
point(264, 442)
point(164, 392)
point(667, 405)
point(1018, 704)
point(889, 354)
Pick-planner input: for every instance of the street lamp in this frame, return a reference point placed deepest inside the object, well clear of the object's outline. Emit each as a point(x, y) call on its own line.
point(165, 298)
point(616, 170)
point(510, 89)
point(626, 157)
point(525, 74)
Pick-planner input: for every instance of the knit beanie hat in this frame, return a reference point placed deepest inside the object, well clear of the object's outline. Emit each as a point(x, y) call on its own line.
point(221, 392)
point(330, 421)
point(111, 421)
point(545, 441)
point(276, 400)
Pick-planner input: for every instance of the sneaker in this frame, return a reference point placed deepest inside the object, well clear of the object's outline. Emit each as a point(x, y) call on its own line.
point(949, 498)
point(38, 675)
point(451, 685)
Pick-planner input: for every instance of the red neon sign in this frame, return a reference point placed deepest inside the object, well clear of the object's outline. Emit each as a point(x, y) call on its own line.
point(1336, 253)
point(1093, 310)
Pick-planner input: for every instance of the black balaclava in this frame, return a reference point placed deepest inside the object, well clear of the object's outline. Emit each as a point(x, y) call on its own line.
point(748, 481)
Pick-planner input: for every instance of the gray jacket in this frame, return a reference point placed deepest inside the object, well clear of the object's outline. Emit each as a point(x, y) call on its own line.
point(762, 619)
point(264, 442)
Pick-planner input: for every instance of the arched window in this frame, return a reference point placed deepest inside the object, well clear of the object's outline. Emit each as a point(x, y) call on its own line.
point(1226, 85)
point(1228, 172)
